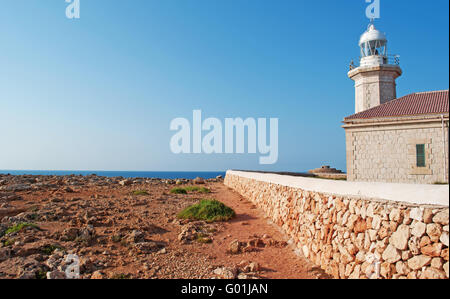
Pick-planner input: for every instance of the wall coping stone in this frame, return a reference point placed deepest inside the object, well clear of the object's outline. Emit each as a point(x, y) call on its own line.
point(409, 193)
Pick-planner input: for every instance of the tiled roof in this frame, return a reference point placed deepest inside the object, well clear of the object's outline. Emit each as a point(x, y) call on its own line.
point(432, 102)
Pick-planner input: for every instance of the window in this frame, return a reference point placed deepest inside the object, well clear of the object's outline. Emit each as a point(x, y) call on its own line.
point(420, 155)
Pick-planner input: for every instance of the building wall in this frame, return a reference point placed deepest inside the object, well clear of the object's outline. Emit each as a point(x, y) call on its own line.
point(353, 236)
point(387, 153)
point(374, 86)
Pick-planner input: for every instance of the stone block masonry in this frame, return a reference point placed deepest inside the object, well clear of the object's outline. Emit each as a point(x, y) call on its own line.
point(353, 235)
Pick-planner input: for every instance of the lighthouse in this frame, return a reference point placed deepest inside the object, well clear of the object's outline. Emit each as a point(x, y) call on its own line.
point(377, 71)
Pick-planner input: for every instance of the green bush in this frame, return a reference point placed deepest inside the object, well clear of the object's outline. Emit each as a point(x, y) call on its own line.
point(185, 190)
point(197, 189)
point(178, 191)
point(207, 210)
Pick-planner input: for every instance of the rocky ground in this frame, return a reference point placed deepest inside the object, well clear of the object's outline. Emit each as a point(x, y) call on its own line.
point(127, 228)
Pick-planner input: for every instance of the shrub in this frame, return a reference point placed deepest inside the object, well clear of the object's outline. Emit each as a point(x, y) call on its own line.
point(207, 210)
point(178, 191)
point(197, 189)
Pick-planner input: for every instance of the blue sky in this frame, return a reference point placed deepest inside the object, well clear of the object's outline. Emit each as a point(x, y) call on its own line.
point(99, 93)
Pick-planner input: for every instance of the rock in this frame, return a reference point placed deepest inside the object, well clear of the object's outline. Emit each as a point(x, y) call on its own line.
point(419, 261)
point(406, 255)
point(434, 231)
point(427, 216)
point(387, 270)
point(444, 254)
point(5, 254)
point(226, 273)
point(356, 272)
point(235, 247)
point(437, 263)
point(396, 216)
point(87, 234)
point(254, 267)
point(401, 268)
point(442, 217)
point(446, 269)
point(136, 236)
point(56, 275)
point(360, 226)
point(147, 247)
point(391, 254)
point(432, 273)
point(125, 182)
point(199, 181)
point(305, 250)
point(418, 229)
point(444, 238)
point(360, 257)
point(432, 250)
point(400, 238)
point(70, 234)
point(416, 214)
point(97, 275)
point(242, 276)
point(16, 187)
point(425, 241)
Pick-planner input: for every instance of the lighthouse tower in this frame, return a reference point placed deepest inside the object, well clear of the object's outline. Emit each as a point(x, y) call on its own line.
point(377, 71)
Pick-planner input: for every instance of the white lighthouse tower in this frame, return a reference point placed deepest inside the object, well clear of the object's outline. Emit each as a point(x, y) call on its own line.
point(377, 71)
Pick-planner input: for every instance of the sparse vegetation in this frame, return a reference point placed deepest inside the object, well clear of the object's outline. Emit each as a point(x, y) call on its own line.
point(116, 238)
point(41, 274)
point(18, 227)
point(208, 210)
point(8, 242)
point(49, 249)
point(197, 189)
point(140, 192)
point(187, 189)
point(203, 238)
point(178, 191)
point(120, 276)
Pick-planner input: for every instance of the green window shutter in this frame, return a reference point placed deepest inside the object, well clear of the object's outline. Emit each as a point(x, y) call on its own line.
point(420, 154)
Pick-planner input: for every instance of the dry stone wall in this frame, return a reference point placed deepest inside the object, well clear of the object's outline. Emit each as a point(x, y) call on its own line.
point(355, 238)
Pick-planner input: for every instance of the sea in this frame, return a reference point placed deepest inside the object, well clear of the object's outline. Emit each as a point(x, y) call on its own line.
point(126, 174)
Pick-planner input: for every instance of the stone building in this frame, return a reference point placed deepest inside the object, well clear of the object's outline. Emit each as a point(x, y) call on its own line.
point(390, 139)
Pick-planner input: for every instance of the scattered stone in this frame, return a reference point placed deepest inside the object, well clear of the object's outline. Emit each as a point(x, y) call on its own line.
point(98, 275)
point(235, 247)
point(226, 273)
point(56, 275)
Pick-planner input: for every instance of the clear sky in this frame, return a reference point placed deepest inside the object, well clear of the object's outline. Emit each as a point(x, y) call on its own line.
point(99, 93)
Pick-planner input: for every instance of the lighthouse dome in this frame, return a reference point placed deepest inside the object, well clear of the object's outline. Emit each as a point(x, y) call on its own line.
point(371, 35)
